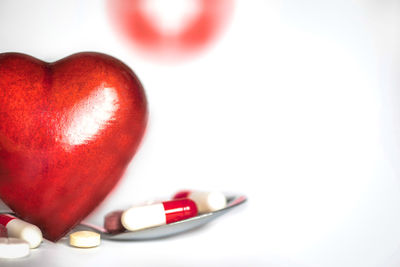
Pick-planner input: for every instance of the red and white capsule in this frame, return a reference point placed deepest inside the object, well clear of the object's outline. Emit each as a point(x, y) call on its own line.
point(205, 201)
point(20, 229)
point(141, 217)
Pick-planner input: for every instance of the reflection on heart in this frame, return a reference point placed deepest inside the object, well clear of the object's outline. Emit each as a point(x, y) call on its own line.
point(90, 116)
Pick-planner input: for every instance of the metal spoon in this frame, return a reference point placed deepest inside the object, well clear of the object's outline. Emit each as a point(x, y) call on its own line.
point(167, 229)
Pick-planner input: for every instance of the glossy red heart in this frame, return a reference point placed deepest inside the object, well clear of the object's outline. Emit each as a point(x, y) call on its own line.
point(68, 130)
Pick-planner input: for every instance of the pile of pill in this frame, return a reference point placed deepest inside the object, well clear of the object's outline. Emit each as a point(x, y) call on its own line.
point(17, 237)
point(184, 205)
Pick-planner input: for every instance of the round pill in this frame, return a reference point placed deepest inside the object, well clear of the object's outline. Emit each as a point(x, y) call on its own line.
point(112, 222)
point(3, 231)
point(84, 239)
point(13, 248)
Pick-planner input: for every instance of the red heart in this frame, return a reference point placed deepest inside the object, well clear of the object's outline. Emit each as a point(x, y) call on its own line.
point(68, 129)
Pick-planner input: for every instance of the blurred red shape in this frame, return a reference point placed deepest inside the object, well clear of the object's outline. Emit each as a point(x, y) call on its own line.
point(170, 29)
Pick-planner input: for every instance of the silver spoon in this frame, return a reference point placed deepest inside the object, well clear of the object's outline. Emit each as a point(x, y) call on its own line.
point(167, 229)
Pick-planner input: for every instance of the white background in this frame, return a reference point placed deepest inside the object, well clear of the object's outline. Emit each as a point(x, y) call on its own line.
point(296, 106)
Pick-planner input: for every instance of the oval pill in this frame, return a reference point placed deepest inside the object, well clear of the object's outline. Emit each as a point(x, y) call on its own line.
point(13, 248)
point(20, 229)
point(142, 217)
point(205, 201)
point(84, 239)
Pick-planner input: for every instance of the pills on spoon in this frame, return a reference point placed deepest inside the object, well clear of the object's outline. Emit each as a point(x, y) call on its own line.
point(20, 229)
point(84, 239)
point(18, 236)
point(13, 248)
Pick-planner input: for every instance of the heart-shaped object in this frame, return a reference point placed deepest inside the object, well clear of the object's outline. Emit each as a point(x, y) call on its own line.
point(68, 130)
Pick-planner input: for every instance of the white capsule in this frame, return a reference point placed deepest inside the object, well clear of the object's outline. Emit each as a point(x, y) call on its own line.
point(13, 248)
point(137, 218)
point(205, 201)
point(20, 229)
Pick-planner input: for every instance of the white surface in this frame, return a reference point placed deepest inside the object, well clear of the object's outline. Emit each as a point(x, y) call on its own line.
point(296, 106)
